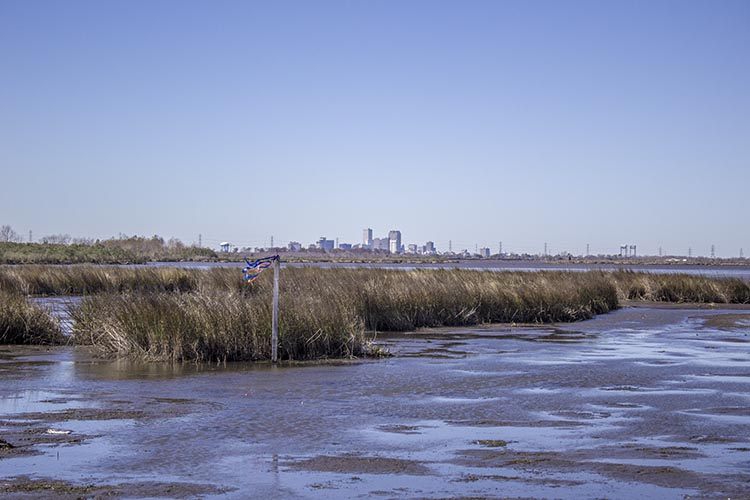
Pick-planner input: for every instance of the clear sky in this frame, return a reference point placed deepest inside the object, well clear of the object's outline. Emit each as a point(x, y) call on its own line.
point(525, 122)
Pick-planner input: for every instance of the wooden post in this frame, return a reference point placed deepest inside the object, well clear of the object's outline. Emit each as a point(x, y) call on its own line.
point(275, 320)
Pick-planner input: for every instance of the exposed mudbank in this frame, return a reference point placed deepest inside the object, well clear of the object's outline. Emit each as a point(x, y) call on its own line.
point(640, 402)
point(25, 487)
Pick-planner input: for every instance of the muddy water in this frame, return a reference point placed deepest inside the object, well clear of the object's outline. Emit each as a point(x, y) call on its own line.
point(640, 402)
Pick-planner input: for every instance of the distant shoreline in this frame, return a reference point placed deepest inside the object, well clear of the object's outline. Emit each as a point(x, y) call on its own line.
point(145, 251)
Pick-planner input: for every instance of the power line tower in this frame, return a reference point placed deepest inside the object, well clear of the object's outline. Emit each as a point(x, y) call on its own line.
point(545, 248)
point(200, 240)
point(271, 241)
point(713, 251)
point(30, 236)
point(741, 256)
point(500, 248)
point(450, 246)
point(587, 249)
point(660, 253)
point(690, 251)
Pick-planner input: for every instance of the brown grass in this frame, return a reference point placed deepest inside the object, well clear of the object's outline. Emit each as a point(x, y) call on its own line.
point(25, 323)
point(326, 313)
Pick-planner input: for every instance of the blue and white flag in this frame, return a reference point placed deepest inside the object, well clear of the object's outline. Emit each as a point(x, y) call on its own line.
point(253, 269)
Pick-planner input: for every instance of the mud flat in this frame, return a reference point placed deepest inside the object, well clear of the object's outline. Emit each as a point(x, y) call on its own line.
point(649, 402)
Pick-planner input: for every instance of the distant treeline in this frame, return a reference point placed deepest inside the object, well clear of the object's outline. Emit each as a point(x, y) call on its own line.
point(61, 249)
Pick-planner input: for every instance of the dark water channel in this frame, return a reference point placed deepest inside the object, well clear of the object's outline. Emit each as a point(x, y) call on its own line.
point(641, 402)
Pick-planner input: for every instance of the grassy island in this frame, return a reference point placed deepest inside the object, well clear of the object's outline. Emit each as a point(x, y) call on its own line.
point(174, 314)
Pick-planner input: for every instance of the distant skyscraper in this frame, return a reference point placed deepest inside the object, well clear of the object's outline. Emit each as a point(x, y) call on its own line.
point(429, 247)
point(380, 244)
point(325, 244)
point(394, 241)
point(367, 238)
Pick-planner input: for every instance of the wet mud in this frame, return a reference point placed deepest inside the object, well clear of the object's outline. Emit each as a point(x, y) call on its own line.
point(649, 402)
point(729, 322)
point(25, 487)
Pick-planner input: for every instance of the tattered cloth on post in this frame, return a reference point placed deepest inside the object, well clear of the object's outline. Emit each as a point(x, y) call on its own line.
point(253, 269)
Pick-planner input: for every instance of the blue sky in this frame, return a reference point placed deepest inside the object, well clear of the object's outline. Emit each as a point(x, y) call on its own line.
point(523, 122)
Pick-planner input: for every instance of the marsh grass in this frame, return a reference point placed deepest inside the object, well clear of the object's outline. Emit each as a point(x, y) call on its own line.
point(208, 315)
point(326, 313)
point(25, 323)
point(680, 288)
point(217, 326)
point(87, 280)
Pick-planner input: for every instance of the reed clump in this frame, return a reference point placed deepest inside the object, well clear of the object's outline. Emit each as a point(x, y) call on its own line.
point(680, 288)
point(217, 326)
point(425, 286)
point(87, 279)
point(207, 315)
point(24, 323)
point(326, 312)
point(408, 300)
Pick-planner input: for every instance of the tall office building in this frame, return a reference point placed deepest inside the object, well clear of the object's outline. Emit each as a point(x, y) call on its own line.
point(367, 238)
point(380, 244)
point(325, 244)
point(394, 241)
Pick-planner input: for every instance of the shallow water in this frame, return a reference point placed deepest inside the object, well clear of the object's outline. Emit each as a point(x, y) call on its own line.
point(61, 308)
point(639, 402)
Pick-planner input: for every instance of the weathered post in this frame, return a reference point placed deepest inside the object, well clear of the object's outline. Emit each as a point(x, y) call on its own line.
point(275, 319)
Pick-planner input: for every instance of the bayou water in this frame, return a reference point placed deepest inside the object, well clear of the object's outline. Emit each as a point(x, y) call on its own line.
point(649, 402)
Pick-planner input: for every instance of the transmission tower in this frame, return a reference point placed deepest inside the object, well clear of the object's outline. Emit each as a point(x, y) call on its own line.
point(271, 241)
point(545, 248)
point(200, 240)
point(690, 251)
point(741, 255)
point(500, 248)
point(450, 246)
point(30, 236)
point(587, 249)
point(713, 251)
point(660, 252)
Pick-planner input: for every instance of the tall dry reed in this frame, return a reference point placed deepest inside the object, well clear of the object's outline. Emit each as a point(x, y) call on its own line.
point(217, 326)
point(680, 288)
point(24, 323)
point(326, 313)
point(87, 279)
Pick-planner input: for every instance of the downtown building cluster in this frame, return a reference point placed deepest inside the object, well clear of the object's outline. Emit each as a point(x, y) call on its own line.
point(391, 244)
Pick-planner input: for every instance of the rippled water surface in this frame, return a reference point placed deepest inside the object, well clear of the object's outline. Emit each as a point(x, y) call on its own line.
point(640, 402)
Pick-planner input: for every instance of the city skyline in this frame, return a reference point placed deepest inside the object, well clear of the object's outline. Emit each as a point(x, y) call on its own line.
point(623, 250)
point(506, 247)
